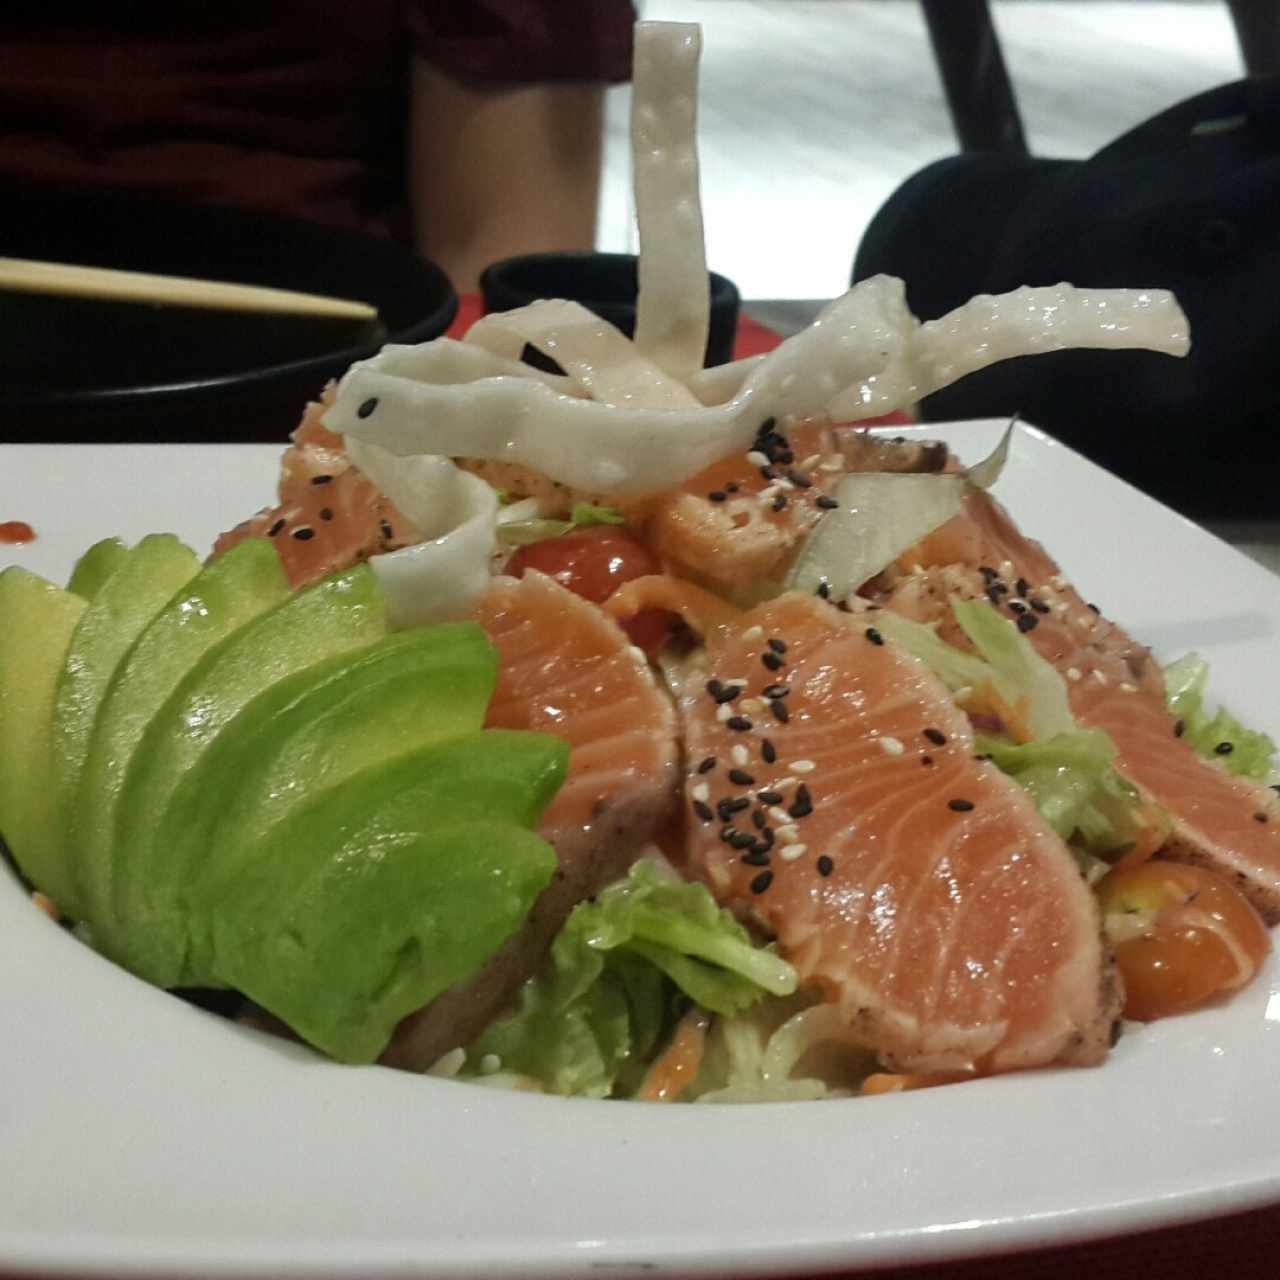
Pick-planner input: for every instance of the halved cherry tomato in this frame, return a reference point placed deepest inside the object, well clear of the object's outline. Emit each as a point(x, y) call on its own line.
point(1181, 935)
point(594, 563)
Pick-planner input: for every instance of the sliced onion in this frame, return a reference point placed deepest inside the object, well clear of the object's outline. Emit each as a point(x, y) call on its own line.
point(456, 512)
point(596, 355)
point(880, 515)
point(674, 304)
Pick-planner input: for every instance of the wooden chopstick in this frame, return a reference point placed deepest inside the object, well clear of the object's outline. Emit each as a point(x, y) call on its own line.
point(27, 276)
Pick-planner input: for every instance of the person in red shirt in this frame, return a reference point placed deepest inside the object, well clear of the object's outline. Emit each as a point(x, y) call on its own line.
point(468, 128)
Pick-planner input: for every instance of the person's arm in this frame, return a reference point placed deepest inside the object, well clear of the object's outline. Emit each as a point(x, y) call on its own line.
point(501, 169)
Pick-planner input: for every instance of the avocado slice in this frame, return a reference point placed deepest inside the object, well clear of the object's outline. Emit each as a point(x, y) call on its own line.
point(96, 566)
point(221, 598)
point(306, 734)
point(367, 902)
point(336, 615)
point(36, 623)
point(142, 583)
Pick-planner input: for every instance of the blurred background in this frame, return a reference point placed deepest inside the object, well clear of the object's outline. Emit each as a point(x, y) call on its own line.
point(813, 111)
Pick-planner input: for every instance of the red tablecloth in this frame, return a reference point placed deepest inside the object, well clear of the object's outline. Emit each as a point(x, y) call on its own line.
point(1244, 1246)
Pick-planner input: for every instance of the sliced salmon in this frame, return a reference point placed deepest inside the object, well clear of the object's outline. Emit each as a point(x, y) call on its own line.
point(568, 669)
point(1227, 823)
point(329, 516)
point(833, 795)
point(739, 522)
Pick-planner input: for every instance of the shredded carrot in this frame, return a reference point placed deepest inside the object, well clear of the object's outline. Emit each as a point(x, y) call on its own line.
point(895, 1082)
point(46, 904)
point(675, 1069)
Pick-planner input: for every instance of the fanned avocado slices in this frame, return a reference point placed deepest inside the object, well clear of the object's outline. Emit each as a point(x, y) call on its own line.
point(369, 901)
point(96, 566)
point(220, 599)
point(337, 615)
point(143, 581)
point(305, 735)
point(36, 623)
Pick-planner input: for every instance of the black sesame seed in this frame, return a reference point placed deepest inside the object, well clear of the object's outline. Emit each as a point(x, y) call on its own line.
point(762, 882)
point(1259, 817)
point(803, 805)
point(1179, 728)
point(988, 572)
point(785, 456)
point(727, 833)
point(874, 636)
point(756, 858)
point(1016, 606)
point(778, 646)
point(776, 690)
point(1022, 586)
point(999, 588)
point(766, 839)
point(321, 479)
point(926, 760)
point(368, 407)
point(826, 503)
point(758, 819)
point(1027, 622)
point(1038, 605)
point(275, 528)
point(741, 778)
point(723, 692)
point(799, 479)
point(825, 866)
point(741, 840)
point(385, 526)
point(1276, 788)
point(960, 806)
point(768, 752)
point(707, 765)
point(779, 502)
point(1117, 1030)
point(326, 513)
point(739, 724)
point(769, 797)
point(703, 810)
point(1222, 749)
point(768, 425)
point(727, 807)
point(731, 488)
point(303, 533)
point(718, 495)
point(779, 709)
point(994, 596)
point(1094, 607)
point(771, 660)
point(936, 736)
point(824, 589)
point(768, 473)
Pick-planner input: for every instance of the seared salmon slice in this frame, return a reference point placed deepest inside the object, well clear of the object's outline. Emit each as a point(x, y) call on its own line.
point(1221, 821)
point(833, 794)
point(330, 516)
point(568, 669)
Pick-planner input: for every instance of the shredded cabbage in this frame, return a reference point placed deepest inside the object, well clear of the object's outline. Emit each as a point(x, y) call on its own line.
point(1249, 752)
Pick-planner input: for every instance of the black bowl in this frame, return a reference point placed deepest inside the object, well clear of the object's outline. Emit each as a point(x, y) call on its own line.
point(85, 370)
point(604, 283)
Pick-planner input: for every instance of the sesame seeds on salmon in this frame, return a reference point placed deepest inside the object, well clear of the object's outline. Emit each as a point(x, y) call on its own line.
point(916, 886)
point(1226, 823)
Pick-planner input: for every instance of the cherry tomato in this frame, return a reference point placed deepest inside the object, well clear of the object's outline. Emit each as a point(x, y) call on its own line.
point(594, 563)
point(1181, 936)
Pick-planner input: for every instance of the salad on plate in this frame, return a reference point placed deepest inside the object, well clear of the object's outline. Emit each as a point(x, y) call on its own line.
point(640, 730)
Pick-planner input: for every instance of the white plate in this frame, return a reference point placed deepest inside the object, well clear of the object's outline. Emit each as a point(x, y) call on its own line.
point(140, 1136)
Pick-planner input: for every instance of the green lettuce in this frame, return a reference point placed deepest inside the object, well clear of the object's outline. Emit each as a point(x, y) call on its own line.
point(518, 533)
point(1248, 752)
point(619, 973)
point(1074, 785)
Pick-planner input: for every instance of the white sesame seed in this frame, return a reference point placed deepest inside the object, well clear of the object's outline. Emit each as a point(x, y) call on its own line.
point(965, 691)
point(740, 754)
point(811, 461)
point(891, 746)
point(1006, 568)
point(448, 1064)
point(701, 792)
point(752, 633)
point(790, 852)
point(787, 833)
point(724, 712)
point(1099, 676)
point(638, 654)
point(490, 1064)
point(783, 783)
point(757, 459)
point(769, 492)
point(1126, 687)
point(752, 706)
point(1073, 673)
point(803, 766)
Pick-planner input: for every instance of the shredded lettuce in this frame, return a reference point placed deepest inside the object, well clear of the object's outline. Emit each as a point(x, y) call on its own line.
point(618, 974)
point(1247, 751)
point(518, 533)
point(1074, 785)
